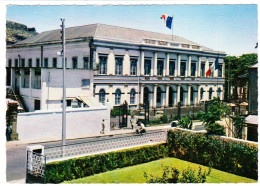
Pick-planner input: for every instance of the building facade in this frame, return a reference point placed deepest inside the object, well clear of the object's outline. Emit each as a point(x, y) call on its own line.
point(113, 64)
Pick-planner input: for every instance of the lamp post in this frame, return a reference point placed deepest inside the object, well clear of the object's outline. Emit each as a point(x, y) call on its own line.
point(62, 53)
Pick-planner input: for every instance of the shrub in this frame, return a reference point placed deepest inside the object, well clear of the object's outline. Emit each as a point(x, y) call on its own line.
point(185, 122)
point(215, 128)
point(172, 175)
point(228, 156)
point(238, 122)
point(164, 119)
point(57, 172)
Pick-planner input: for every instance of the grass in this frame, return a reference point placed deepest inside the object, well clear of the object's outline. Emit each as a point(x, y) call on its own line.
point(135, 174)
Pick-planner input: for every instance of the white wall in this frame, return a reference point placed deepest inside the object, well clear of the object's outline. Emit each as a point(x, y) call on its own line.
point(47, 125)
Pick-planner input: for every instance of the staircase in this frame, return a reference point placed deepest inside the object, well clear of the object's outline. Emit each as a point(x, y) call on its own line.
point(16, 97)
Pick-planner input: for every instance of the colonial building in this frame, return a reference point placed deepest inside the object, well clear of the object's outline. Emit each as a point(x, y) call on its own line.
point(113, 64)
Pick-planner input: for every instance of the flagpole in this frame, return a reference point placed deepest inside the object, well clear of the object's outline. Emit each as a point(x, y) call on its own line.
point(217, 76)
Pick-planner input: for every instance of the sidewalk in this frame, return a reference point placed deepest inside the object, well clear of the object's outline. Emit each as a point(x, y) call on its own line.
point(11, 144)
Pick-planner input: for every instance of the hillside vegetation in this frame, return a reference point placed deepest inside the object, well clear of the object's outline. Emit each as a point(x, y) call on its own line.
point(17, 32)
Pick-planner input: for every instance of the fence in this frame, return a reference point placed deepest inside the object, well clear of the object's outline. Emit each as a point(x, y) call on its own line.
point(35, 167)
point(103, 145)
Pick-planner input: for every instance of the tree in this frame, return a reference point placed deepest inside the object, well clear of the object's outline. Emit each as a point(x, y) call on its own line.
point(236, 69)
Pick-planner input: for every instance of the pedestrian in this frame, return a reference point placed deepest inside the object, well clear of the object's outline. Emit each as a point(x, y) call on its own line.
point(8, 132)
point(103, 127)
point(132, 122)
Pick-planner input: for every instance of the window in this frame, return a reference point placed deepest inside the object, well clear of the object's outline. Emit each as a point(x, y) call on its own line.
point(26, 77)
point(37, 104)
point(219, 92)
point(37, 79)
point(85, 62)
point(133, 67)
point(37, 62)
point(30, 62)
point(210, 93)
point(119, 65)
point(16, 62)
point(220, 66)
point(183, 68)
point(201, 93)
point(22, 62)
point(132, 96)
point(171, 67)
point(74, 62)
point(102, 96)
point(102, 64)
point(160, 67)
point(85, 83)
point(68, 102)
point(147, 67)
point(191, 95)
point(118, 97)
point(9, 62)
point(193, 68)
point(54, 62)
point(46, 62)
point(202, 69)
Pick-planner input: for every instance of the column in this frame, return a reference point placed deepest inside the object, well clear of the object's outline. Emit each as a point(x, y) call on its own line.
point(154, 95)
point(142, 63)
point(126, 98)
point(167, 95)
point(223, 69)
point(178, 93)
point(189, 66)
point(111, 95)
point(167, 62)
point(199, 67)
point(179, 65)
point(198, 100)
point(154, 64)
point(141, 95)
point(126, 64)
point(189, 91)
point(111, 63)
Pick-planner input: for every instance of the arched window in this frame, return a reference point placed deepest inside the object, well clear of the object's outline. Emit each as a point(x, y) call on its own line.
point(201, 93)
point(146, 94)
point(102, 96)
point(210, 93)
point(158, 95)
point(181, 95)
point(219, 92)
point(191, 95)
point(118, 97)
point(132, 96)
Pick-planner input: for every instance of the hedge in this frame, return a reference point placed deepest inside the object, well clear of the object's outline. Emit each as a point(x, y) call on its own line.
point(229, 156)
point(58, 172)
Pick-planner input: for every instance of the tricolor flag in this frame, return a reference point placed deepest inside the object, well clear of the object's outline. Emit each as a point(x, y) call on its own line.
point(167, 20)
point(212, 67)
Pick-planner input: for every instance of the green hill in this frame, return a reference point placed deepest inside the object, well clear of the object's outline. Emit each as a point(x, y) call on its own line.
point(17, 32)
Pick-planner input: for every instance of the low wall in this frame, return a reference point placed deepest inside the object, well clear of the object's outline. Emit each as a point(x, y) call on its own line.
point(47, 125)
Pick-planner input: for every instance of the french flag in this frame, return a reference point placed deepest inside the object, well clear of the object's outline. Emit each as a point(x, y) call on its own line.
point(212, 67)
point(167, 20)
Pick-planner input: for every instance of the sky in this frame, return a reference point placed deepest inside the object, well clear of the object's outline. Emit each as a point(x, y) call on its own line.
point(228, 28)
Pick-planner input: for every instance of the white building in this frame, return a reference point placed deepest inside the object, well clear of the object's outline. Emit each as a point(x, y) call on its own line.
point(113, 64)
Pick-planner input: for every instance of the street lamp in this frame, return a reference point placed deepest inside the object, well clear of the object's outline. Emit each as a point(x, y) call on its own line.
point(62, 54)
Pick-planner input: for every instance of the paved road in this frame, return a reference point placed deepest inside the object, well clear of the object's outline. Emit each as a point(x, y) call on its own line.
point(16, 153)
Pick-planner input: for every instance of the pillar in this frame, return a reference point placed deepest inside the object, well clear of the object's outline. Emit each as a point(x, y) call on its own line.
point(178, 93)
point(154, 65)
point(189, 66)
point(167, 95)
point(142, 63)
point(179, 65)
point(199, 67)
point(141, 94)
point(189, 91)
point(167, 62)
point(12, 115)
point(198, 100)
point(154, 95)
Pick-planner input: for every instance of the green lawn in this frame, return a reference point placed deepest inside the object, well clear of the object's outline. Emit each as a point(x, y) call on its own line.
point(135, 174)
